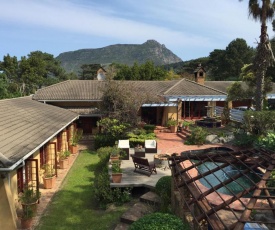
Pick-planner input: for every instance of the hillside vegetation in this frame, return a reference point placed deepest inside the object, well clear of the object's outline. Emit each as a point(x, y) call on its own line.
point(127, 54)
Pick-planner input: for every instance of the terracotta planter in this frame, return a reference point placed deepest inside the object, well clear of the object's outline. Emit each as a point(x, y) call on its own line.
point(26, 223)
point(173, 129)
point(114, 158)
point(73, 149)
point(116, 177)
point(33, 206)
point(49, 182)
point(63, 164)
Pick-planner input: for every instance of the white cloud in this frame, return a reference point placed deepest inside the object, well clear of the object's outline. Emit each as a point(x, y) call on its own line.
point(177, 24)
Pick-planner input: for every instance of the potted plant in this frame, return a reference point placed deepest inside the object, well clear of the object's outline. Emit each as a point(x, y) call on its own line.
point(116, 171)
point(115, 154)
point(49, 177)
point(64, 159)
point(172, 124)
point(77, 135)
point(186, 125)
point(27, 217)
point(29, 198)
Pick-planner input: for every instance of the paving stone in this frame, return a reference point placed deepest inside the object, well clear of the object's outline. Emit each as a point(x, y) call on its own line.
point(150, 198)
point(137, 211)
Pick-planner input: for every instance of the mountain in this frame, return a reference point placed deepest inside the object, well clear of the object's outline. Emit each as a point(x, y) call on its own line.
point(120, 53)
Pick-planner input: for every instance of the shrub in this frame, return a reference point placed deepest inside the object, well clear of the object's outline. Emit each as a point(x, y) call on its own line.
point(149, 128)
point(159, 221)
point(136, 139)
point(244, 140)
point(163, 189)
point(102, 140)
point(104, 153)
point(259, 122)
point(103, 193)
point(267, 142)
point(197, 137)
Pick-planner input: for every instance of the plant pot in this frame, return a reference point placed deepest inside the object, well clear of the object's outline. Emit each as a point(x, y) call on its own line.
point(73, 149)
point(33, 206)
point(49, 182)
point(116, 177)
point(173, 129)
point(26, 223)
point(114, 158)
point(63, 164)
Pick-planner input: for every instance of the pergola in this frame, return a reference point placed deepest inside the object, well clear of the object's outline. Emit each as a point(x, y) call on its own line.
point(205, 184)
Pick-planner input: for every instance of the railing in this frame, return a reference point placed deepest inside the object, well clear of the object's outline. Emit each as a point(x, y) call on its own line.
point(235, 114)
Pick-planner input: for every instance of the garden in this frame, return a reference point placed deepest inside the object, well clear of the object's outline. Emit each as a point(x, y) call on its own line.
point(87, 199)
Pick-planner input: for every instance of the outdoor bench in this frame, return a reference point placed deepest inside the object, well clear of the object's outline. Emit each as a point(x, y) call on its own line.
point(143, 164)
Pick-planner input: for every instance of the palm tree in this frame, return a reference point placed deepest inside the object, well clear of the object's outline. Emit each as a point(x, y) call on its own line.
point(261, 10)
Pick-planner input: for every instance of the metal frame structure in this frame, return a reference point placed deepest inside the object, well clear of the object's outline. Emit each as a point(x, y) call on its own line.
point(211, 209)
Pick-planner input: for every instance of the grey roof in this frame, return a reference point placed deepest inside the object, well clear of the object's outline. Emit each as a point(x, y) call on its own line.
point(85, 110)
point(187, 87)
point(223, 85)
point(92, 89)
point(25, 125)
point(219, 85)
point(71, 90)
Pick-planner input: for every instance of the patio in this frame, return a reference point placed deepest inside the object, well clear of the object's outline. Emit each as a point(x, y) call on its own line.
point(168, 143)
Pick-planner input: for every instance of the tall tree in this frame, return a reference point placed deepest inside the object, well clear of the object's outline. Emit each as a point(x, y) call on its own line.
point(261, 10)
point(226, 64)
point(89, 71)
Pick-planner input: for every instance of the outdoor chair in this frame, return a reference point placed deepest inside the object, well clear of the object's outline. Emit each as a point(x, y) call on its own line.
point(151, 146)
point(125, 146)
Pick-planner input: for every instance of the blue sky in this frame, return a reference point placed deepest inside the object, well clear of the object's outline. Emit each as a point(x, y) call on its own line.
point(189, 28)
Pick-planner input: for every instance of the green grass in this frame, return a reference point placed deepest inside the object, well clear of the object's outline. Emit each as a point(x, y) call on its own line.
point(73, 206)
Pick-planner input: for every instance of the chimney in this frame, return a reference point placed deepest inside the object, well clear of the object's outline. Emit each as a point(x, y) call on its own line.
point(200, 74)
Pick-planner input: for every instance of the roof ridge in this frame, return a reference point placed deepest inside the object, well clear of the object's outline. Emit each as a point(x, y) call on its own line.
point(62, 82)
point(174, 85)
point(206, 86)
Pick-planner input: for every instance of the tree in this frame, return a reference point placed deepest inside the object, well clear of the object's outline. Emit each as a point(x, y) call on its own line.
point(261, 10)
point(89, 71)
point(226, 64)
point(24, 77)
point(144, 72)
point(122, 101)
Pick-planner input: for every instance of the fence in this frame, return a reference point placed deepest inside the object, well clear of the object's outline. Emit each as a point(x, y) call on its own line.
point(235, 114)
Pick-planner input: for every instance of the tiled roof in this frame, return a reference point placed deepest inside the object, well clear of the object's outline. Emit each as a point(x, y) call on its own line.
point(92, 89)
point(71, 90)
point(84, 111)
point(223, 85)
point(187, 87)
point(25, 125)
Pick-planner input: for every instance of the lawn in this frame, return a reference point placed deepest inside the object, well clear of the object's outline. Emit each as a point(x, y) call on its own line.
point(73, 206)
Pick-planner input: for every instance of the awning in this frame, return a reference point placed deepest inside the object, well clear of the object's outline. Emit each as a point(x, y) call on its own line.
point(159, 104)
point(197, 98)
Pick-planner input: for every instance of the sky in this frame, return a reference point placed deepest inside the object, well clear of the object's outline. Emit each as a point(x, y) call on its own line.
point(189, 28)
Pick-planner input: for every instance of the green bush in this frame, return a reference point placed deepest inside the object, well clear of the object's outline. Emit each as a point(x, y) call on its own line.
point(163, 189)
point(244, 140)
point(197, 137)
point(136, 139)
point(102, 140)
point(103, 193)
point(267, 141)
point(104, 153)
point(159, 221)
point(149, 128)
point(259, 122)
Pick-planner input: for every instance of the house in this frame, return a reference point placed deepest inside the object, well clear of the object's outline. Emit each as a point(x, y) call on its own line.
point(31, 135)
point(177, 99)
point(180, 99)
